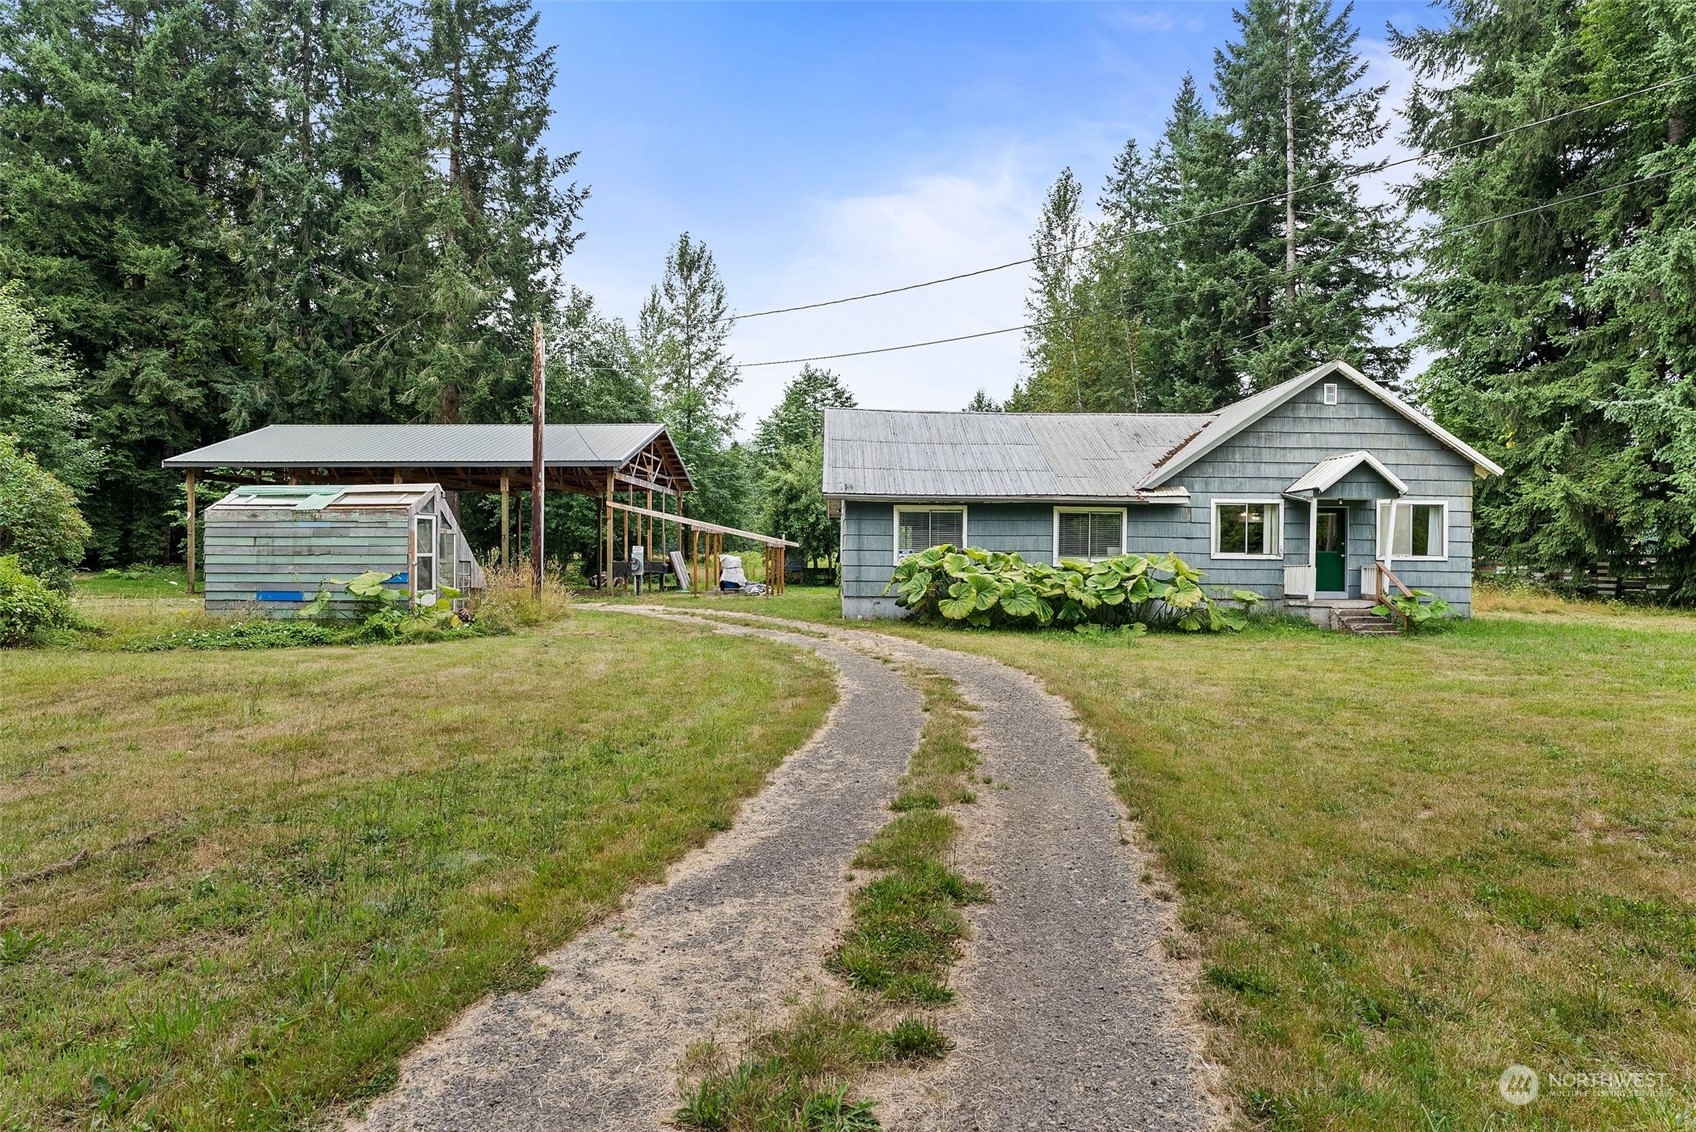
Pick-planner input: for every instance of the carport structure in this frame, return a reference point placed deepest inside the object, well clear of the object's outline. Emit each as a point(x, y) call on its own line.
point(627, 467)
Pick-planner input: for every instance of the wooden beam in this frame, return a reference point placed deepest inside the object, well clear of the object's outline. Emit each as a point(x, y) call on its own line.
point(506, 522)
point(189, 480)
point(644, 483)
point(703, 525)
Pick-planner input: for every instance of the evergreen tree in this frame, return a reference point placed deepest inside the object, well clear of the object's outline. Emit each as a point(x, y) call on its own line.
point(1055, 379)
point(788, 453)
point(499, 215)
point(1325, 266)
point(982, 402)
point(689, 372)
point(593, 369)
point(130, 135)
point(1188, 301)
point(40, 401)
point(799, 417)
point(1563, 337)
point(337, 234)
point(794, 506)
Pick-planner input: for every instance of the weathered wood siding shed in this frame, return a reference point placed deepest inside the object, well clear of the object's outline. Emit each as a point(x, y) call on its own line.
point(271, 549)
point(1326, 441)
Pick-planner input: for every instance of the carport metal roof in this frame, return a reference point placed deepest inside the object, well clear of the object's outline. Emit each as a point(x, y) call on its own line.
point(461, 457)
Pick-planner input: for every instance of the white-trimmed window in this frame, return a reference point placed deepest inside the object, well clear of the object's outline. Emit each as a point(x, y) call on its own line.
point(1248, 528)
point(1090, 533)
point(1413, 529)
point(424, 556)
point(920, 528)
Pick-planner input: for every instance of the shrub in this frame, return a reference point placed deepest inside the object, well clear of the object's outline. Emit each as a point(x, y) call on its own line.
point(508, 600)
point(982, 587)
point(1414, 611)
point(241, 635)
point(39, 520)
point(28, 608)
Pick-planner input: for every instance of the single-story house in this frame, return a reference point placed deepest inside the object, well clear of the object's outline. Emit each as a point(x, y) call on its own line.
point(270, 548)
point(1301, 492)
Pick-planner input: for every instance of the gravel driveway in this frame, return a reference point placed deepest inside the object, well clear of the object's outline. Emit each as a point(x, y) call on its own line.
point(737, 926)
point(1069, 1015)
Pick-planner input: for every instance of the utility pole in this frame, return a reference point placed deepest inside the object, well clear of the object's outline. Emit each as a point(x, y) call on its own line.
point(538, 416)
point(1289, 152)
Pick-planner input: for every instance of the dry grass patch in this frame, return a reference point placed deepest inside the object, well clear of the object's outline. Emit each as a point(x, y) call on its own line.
point(278, 871)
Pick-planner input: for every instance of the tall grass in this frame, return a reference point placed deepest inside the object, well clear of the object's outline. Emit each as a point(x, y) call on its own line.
point(509, 599)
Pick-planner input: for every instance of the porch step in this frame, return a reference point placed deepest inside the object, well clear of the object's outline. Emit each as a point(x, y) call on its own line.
point(1365, 623)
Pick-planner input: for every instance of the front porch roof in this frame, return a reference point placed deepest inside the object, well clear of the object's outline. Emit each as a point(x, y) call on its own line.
point(1325, 474)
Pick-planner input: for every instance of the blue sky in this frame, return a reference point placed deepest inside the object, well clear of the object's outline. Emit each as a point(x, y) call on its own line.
point(826, 149)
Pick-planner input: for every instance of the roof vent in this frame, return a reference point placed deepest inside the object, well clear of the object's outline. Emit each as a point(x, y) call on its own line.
point(1330, 393)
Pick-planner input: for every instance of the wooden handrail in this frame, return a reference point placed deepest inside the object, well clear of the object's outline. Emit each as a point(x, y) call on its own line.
point(1385, 574)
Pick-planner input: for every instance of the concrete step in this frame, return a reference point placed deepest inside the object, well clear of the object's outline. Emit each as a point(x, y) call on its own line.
point(1365, 623)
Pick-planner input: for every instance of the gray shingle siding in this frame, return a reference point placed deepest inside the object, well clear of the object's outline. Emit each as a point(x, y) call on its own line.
point(1258, 462)
point(1275, 451)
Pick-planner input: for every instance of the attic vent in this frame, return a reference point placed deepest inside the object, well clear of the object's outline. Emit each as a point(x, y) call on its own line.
point(1330, 393)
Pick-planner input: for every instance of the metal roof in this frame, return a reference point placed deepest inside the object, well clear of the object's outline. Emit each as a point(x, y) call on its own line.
point(422, 445)
point(886, 454)
point(876, 454)
point(1328, 471)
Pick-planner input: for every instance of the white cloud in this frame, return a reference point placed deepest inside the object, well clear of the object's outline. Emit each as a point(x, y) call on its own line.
point(931, 225)
point(1141, 19)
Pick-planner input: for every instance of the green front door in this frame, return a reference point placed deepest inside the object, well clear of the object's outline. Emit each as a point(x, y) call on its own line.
point(1331, 555)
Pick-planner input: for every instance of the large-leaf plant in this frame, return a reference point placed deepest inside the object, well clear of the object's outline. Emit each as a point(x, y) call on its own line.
point(988, 587)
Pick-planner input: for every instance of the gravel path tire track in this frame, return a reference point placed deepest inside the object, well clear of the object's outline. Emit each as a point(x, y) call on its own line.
point(738, 927)
point(1071, 1016)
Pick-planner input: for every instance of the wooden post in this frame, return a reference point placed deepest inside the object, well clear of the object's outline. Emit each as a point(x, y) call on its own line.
point(506, 522)
point(189, 479)
point(538, 417)
point(649, 526)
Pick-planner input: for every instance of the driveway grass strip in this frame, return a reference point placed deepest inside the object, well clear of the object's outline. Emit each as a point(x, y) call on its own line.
point(905, 933)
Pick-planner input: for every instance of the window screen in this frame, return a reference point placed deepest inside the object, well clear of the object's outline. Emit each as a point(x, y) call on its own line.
point(1411, 530)
point(424, 565)
point(1090, 534)
point(921, 530)
point(1247, 528)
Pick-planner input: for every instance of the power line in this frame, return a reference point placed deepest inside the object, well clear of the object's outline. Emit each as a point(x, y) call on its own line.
point(892, 349)
point(1223, 209)
point(1544, 207)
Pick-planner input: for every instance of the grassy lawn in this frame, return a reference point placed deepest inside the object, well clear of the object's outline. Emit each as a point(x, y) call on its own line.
point(236, 887)
point(1409, 863)
point(135, 582)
